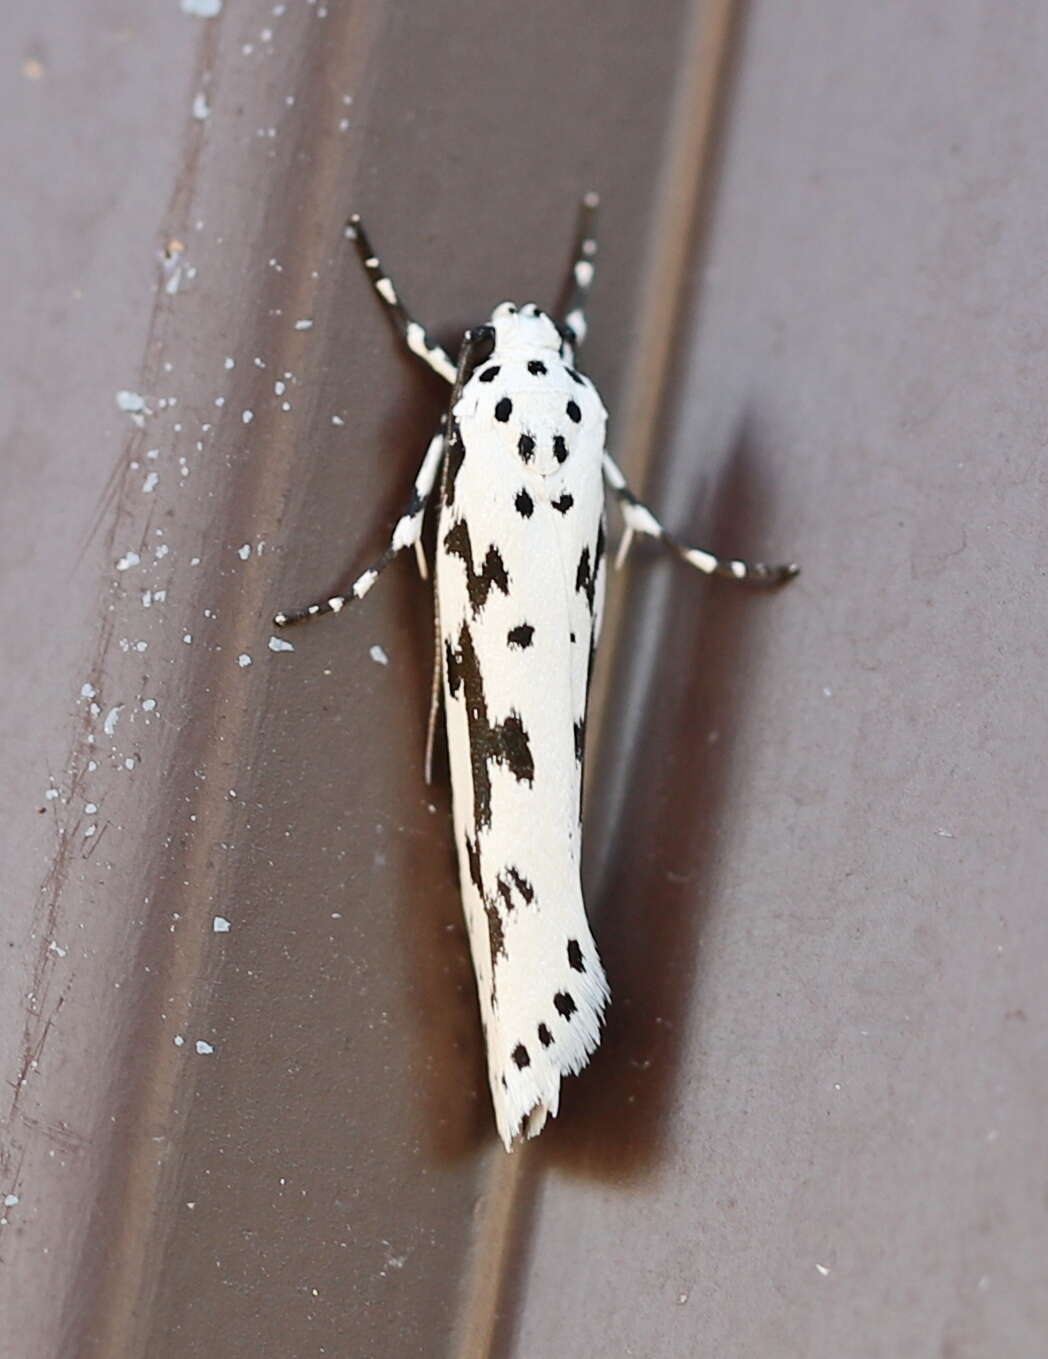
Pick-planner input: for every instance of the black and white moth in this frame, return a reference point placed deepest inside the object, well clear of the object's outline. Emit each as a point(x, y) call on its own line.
point(520, 574)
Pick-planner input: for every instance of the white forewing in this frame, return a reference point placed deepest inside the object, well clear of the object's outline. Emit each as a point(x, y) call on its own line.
point(520, 577)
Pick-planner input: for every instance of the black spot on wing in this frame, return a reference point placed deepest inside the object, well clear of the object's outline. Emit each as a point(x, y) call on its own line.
point(503, 409)
point(560, 448)
point(564, 1004)
point(489, 374)
point(511, 880)
point(525, 505)
point(521, 635)
point(586, 577)
point(575, 956)
point(479, 584)
point(473, 860)
point(564, 503)
point(522, 885)
point(580, 739)
point(536, 368)
point(506, 743)
point(496, 940)
point(526, 447)
point(545, 1037)
point(520, 1056)
point(452, 670)
point(575, 377)
point(574, 414)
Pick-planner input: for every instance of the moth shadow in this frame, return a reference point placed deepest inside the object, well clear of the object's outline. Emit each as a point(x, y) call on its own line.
point(658, 807)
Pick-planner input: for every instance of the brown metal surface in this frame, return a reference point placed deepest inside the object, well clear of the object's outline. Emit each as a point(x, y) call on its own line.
point(816, 839)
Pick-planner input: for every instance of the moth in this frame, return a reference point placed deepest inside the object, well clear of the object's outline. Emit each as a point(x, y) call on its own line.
point(518, 470)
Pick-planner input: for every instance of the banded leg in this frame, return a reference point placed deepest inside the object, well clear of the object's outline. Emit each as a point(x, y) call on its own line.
point(578, 285)
point(407, 533)
point(639, 519)
point(413, 335)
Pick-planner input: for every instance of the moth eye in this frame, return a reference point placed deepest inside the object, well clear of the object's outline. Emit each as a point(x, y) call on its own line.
point(531, 309)
point(481, 344)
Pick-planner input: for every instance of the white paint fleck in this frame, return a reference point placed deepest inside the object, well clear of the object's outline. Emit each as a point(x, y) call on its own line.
point(243, 659)
point(178, 1040)
point(187, 637)
point(220, 925)
point(150, 483)
point(230, 363)
point(247, 416)
point(129, 763)
point(823, 1270)
point(201, 9)
point(88, 691)
point(378, 655)
point(148, 705)
point(201, 108)
point(90, 808)
point(304, 324)
point(55, 947)
point(203, 1048)
point(112, 718)
point(129, 559)
point(278, 644)
point(161, 551)
point(91, 830)
point(946, 834)
point(337, 420)
point(827, 692)
point(244, 552)
point(280, 388)
point(131, 402)
point(10, 1200)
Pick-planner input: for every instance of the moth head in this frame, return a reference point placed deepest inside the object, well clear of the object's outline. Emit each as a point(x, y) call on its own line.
point(526, 328)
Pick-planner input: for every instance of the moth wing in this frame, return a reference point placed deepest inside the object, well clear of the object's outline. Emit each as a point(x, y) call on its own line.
point(519, 586)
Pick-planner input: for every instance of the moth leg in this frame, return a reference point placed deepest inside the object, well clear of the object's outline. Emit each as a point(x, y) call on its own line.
point(639, 519)
point(578, 284)
point(413, 335)
point(406, 534)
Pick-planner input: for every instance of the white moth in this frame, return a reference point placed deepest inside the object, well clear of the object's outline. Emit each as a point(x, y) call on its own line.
point(520, 572)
